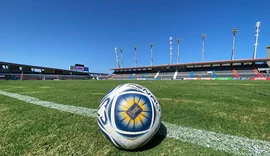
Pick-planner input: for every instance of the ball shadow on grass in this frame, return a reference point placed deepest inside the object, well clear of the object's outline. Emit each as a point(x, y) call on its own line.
point(155, 141)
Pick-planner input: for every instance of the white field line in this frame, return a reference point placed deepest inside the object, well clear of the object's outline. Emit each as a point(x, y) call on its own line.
point(216, 141)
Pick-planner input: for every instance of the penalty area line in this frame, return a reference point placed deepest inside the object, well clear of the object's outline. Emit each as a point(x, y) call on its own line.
point(228, 143)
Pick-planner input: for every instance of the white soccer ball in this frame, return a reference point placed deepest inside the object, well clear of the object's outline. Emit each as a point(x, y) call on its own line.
point(129, 116)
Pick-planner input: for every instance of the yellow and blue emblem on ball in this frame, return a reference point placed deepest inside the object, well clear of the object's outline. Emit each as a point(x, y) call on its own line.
point(133, 112)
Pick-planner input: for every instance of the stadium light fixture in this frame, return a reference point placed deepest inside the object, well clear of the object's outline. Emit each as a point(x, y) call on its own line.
point(121, 51)
point(135, 59)
point(178, 53)
point(235, 30)
point(116, 54)
point(256, 38)
point(203, 38)
point(171, 40)
point(151, 54)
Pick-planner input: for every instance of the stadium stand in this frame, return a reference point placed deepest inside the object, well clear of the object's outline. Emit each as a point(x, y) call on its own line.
point(13, 71)
point(165, 75)
point(183, 74)
point(246, 71)
point(249, 68)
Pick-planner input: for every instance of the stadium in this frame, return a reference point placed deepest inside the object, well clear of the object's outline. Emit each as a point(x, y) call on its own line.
point(249, 69)
point(241, 69)
point(53, 111)
point(245, 69)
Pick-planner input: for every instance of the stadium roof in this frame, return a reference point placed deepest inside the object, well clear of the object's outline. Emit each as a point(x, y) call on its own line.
point(41, 67)
point(198, 63)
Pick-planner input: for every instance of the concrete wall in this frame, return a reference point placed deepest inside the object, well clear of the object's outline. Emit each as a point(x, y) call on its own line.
point(268, 51)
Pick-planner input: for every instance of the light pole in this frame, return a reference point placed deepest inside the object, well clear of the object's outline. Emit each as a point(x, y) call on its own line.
point(203, 37)
point(178, 53)
point(256, 39)
point(151, 54)
point(116, 55)
point(135, 60)
point(171, 50)
point(121, 51)
point(235, 30)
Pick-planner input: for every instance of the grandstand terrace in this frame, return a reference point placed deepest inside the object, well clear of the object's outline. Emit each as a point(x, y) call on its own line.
point(14, 71)
point(226, 69)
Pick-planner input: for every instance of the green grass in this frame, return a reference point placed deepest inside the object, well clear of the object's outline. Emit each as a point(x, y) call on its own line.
point(239, 108)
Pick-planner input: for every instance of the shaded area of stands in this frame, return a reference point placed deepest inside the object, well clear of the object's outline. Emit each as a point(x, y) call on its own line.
point(14, 71)
point(166, 74)
point(238, 71)
point(14, 76)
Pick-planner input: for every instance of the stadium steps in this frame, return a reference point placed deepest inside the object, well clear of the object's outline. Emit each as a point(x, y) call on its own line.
point(255, 70)
point(157, 74)
point(175, 74)
point(236, 75)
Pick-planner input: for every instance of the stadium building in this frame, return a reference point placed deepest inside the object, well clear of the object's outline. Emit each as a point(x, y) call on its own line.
point(253, 69)
point(14, 71)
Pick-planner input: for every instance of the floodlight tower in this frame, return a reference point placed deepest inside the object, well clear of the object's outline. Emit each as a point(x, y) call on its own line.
point(151, 54)
point(256, 39)
point(116, 54)
point(135, 59)
point(171, 50)
point(235, 30)
point(203, 37)
point(178, 53)
point(121, 51)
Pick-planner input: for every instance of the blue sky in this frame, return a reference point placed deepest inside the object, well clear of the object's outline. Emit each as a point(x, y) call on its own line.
point(59, 33)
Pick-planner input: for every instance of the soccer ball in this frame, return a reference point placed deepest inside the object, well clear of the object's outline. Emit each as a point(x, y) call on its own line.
point(129, 116)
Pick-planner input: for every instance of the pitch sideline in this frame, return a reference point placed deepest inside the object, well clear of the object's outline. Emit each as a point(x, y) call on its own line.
point(228, 143)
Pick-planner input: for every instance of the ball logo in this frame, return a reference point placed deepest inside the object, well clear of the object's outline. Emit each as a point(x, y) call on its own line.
point(133, 112)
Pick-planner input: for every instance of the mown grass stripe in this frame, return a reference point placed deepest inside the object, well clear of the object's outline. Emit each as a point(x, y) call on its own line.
point(217, 141)
point(67, 108)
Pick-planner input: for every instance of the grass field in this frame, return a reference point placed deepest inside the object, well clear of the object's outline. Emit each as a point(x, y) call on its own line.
point(234, 108)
